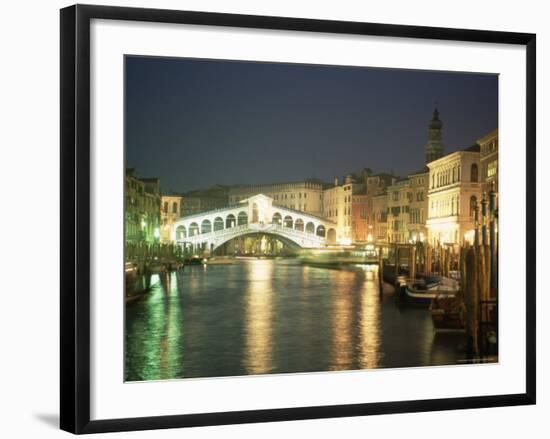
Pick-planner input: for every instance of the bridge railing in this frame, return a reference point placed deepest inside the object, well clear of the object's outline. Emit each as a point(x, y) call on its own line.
point(259, 227)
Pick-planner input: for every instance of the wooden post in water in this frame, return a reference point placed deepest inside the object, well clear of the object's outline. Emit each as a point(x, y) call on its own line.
point(484, 219)
point(396, 257)
point(482, 283)
point(471, 300)
point(493, 237)
point(412, 266)
point(380, 271)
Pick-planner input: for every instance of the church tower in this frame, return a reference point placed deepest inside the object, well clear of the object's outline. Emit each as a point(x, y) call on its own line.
point(434, 147)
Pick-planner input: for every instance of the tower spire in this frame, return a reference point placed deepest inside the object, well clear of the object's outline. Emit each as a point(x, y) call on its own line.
point(434, 147)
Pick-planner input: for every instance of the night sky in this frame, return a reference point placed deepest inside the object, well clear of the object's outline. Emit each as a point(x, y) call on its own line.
point(194, 123)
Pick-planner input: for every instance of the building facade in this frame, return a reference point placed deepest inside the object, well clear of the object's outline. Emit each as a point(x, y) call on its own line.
point(379, 216)
point(337, 207)
point(203, 200)
point(455, 188)
point(418, 207)
point(398, 202)
point(304, 196)
point(361, 229)
point(141, 208)
point(488, 151)
point(170, 211)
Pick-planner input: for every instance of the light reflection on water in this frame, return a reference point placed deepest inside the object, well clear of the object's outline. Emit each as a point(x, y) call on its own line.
point(259, 317)
point(275, 316)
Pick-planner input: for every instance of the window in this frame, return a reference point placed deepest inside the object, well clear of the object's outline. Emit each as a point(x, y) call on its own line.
point(175, 207)
point(492, 168)
point(473, 173)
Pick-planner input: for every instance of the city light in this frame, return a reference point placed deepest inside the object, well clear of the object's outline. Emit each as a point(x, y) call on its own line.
point(469, 237)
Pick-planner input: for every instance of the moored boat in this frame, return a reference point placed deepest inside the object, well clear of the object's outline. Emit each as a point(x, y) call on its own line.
point(448, 314)
point(421, 293)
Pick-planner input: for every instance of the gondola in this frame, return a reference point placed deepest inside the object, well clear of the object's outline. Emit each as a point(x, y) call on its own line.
point(421, 293)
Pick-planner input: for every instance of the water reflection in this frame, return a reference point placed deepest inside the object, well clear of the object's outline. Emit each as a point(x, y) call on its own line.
point(342, 320)
point(259, 316)
point(370, 320)
point(267, 316)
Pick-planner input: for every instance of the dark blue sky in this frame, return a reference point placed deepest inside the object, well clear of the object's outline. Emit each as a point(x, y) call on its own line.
point(194, 123)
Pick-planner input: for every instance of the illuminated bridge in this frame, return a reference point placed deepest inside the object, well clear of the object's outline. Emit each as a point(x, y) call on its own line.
point(257, 214)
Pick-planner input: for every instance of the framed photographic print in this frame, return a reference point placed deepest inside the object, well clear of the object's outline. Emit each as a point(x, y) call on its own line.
point(268, 218)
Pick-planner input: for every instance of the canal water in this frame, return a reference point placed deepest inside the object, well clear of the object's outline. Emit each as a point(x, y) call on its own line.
point(276, 316)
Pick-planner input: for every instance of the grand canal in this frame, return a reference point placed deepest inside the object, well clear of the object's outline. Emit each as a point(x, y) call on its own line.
point(275, 316)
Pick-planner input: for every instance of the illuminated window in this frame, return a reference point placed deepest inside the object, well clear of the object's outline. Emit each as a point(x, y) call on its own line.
point(492, 168)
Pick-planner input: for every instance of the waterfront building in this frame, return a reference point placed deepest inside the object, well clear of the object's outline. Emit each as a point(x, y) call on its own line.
point(141, 208)
point(418, 206)
point(170, 211)
point(399, 197)
point(488, 149)
point(455, 189)
point(337, 207)
point(203, 200)
point(377, 204)
point(361, 229)
point(380, 216)
point(304, 196)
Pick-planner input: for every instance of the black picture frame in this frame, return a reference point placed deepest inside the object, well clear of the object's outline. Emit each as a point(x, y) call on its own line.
point(75, 217)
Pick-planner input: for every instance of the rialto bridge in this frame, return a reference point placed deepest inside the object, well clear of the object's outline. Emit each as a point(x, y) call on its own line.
point(255, 215)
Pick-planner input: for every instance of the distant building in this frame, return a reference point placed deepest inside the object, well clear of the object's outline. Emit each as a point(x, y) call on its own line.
point(418, 207)
point(337, 207)
point(455, 188)
point(304, 196)
point(203, 200)
point(141, 208)
point(434, 147)
point(170, 211)
point(399, 197)
point(488, 145)
point(361, 229)
point(380, 216)
point(377, 189)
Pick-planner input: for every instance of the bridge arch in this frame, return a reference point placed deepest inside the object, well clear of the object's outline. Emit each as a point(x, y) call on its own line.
point(310, 227)
point(331, 236)
point(218, 223)
point(321, 231)
point(277, 218)
point(181, 232)
point(206, 226)
point(242, 218)
point(230, 221)
point(299, 224)
point(193, 229)
point(289, 241)
point(287, 221)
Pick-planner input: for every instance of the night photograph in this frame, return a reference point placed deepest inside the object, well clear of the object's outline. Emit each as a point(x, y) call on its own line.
point(293, 218)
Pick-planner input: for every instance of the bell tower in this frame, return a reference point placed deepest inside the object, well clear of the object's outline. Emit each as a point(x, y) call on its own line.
point(434, 147)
